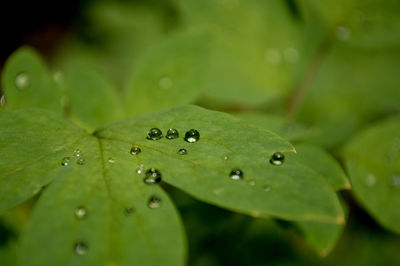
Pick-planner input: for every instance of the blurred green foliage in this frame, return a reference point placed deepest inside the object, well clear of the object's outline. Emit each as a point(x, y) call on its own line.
point(315, 72)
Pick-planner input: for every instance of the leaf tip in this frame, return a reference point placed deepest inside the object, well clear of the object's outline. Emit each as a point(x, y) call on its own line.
point(323, 253)
point(341, 220)
point(347, 186)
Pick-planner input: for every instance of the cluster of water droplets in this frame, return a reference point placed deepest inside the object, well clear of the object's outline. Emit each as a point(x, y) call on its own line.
point(65, 161)
point(275, 56)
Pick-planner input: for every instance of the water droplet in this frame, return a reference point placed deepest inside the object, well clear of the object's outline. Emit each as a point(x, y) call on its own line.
point(192, 136)
point(370, 180)
point(252, 183)
point(226, 158)
point(291, 55)
point(22, 81)
point(81, 213)
point(111, 160)
point(65, 161)
point(129, 211)
point(154, 202)
point(80, 161)
point(139, 169)
point(58, 76)
point(153, 176)
point(154, 134)
point(3, 101)
point(172, 133)
point(396, 180)
point(165, 83)
point(267, 188)
point(236, 174)
point(277, 158)
point(77, 153)
point(343, 33)
point(135, 150)
point(218, 191)
point(182, 151)
point(272, 56)
point(80, 248)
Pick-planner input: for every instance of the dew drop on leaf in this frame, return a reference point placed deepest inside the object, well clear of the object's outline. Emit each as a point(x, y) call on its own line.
point(291, 55)
point(192, 136)
point(139, 169)
point(3, 101)
point(22, 81)
point(272, 56)
point(58, 76)
point(396, 180)
point(65, 161)
point(77, 153)
point(267, 188)
point(252, 183)
point(182, 151)
point(277, 158)
point(343, 33)
point(129, 211)
point(165, 83)
point(152, 176)
point(80, 161)
point(172, 133)
point(236, 174)
point(154, 134)
point(80, 213)
point(111, 160)
point(226, 158)
point(370, 180)
point(135, 150)
point(154, 202)
point(80, 248)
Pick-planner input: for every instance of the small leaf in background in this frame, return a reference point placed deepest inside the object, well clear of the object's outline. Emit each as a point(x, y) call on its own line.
point(221, 61)
point(346, 93)
point(373, 161)
point(91, 100)
point(366, 24)
point(168, 75)
point(27, 83)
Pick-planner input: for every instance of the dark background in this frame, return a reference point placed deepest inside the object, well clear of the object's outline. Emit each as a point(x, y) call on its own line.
point(37, 23)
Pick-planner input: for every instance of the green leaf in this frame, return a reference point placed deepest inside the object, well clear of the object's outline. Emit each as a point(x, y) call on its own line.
point(373, 161)
point(290, 191)
point(92, 102)
point(100, 178)
point(27, 83)
point(320, 236)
